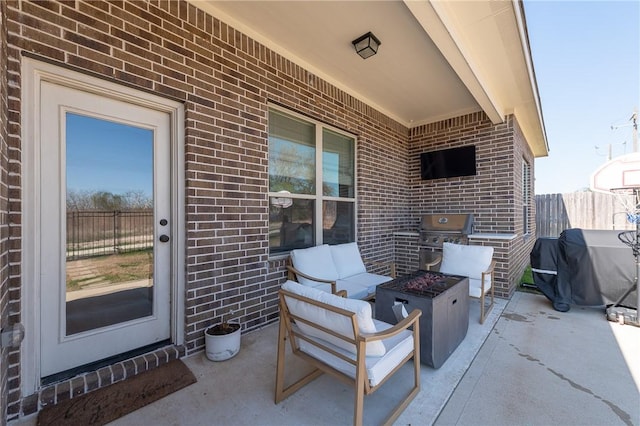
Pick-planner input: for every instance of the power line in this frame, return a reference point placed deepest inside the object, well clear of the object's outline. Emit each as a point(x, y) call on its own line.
point(634, 125)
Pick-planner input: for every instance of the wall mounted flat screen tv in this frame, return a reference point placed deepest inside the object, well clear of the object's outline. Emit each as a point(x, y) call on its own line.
point(447, 163)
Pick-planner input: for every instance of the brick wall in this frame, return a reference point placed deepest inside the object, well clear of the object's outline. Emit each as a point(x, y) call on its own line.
point(226, 82)
point(406, 252)
point(489, 195)
point(493, 195)
point(4, 210)
point(519, 254)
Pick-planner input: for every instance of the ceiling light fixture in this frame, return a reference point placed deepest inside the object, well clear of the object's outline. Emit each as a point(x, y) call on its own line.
point(366, 45)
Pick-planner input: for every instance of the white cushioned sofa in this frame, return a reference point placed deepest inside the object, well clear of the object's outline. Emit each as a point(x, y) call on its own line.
point(332, 268)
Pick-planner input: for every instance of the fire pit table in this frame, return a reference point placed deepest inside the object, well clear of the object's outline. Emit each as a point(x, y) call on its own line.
point(444, 302)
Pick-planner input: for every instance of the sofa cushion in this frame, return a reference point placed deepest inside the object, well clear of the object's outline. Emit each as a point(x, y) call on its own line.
point(347, 259)
point(316, 262)
point(468, 261)
point(353, 289)
point(331, 320)
point(368, 280)
point(378, 367)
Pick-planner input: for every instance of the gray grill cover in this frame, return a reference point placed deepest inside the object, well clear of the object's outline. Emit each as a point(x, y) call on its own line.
point(544, 265)
point(594, 268)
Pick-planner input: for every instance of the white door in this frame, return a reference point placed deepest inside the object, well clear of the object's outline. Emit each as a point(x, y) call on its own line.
point(105, 227)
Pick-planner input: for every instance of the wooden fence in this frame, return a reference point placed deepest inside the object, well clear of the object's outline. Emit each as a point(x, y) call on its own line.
point(585, 210)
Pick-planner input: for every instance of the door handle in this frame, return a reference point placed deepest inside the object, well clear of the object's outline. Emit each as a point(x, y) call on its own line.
point(164, 238)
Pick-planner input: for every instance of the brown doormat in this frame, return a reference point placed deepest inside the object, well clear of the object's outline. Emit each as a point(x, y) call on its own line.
point(107, 404)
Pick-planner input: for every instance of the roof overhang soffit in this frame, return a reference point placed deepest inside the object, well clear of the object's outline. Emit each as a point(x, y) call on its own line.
point(486, 45)
point(440, 26)
point(478, 48)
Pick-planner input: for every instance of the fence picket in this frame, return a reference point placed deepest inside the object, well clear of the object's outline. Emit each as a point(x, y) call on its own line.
point(98, 232)
point(585, 210)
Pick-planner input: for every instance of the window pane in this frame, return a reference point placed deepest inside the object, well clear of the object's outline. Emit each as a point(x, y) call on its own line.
point(291, 154)
point(291, 224)
point(337, 165)
point(337, 222)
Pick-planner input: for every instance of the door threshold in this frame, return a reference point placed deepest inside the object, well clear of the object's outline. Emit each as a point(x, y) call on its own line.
point(94, 366)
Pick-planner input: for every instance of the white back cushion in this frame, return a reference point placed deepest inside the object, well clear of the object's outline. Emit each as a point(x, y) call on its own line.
point(331, 320)
point(347, 260)
point(316, 262)
point(468, 261)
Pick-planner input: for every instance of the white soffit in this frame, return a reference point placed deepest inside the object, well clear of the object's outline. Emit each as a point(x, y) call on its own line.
point(439, 23)
point(437, 60)
point(408, 80)
point(487, 46)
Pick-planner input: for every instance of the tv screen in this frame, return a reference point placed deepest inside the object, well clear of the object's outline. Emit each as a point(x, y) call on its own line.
point(447, 163)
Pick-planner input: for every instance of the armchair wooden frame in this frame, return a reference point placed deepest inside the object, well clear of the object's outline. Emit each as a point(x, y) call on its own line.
point(484, 309)
point(289, 331)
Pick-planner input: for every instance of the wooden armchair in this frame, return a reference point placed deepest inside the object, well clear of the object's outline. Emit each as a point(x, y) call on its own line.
point(335, 334)
point(475, 262)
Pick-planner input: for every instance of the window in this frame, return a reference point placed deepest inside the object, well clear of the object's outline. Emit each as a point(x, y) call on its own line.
point(311, 183)
point(526, 195)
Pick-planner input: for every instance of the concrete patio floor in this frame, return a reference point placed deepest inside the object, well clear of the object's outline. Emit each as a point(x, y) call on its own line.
point(543, 367)
point(527, 365)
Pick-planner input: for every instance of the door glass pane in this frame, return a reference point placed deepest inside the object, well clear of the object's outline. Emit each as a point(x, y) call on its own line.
point(109, 232)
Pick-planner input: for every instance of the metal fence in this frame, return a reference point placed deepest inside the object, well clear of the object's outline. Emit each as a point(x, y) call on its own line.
point(585, 210)
point(97, 232)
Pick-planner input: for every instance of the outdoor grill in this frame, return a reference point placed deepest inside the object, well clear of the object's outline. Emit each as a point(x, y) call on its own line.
point(439, 228)
point(436, 229)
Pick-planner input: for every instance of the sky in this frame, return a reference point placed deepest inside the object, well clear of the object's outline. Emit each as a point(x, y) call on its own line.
point(586, 56)
point(107, 156)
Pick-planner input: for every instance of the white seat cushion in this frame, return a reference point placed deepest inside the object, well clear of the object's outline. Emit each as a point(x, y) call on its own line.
point(354, 290)
point(475, 287)
point(316, 262)
point(368, 280)
point(332, 320)
point(378, 367)
point(347, 259)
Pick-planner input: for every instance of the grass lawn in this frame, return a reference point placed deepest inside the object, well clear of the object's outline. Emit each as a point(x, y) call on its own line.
point(526, 283)
point(114, 268)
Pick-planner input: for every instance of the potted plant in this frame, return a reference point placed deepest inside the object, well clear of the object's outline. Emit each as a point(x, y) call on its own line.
point(222, 341)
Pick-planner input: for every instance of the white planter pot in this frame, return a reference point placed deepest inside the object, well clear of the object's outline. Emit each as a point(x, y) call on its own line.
point(221, 347)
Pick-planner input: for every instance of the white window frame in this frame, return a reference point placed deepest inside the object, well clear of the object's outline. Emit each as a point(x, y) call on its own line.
point(318, 196)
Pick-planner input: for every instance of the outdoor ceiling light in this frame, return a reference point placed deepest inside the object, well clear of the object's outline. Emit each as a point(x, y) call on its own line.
point(366, 45)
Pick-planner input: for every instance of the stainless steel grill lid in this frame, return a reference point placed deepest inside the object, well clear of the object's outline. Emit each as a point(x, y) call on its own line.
point(460, 223)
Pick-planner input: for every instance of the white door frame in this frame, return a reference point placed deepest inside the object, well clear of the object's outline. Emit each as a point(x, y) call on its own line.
point(33, 73)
